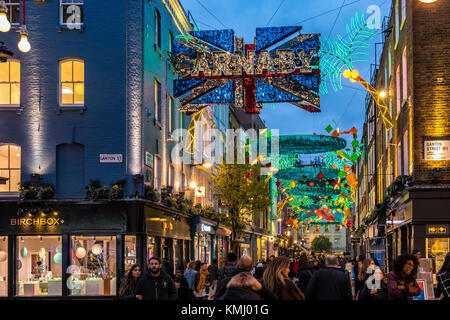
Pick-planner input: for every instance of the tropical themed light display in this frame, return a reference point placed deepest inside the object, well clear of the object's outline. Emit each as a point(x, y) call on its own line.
point(216, 67)
point(337, 58)
point(319, 192)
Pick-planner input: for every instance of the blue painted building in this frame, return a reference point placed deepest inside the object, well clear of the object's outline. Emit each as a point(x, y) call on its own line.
point(91, 100)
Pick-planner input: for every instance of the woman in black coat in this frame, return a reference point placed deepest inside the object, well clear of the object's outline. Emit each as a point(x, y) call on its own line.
point(129, 282)
point(374, 294)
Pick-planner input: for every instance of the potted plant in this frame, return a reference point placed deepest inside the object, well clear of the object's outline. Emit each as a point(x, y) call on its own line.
point(46, 191)
point(27, 191)
point(151, 194)
point(116, 191)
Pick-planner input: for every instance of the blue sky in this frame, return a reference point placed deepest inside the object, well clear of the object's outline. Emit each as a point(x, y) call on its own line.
point(345, 107)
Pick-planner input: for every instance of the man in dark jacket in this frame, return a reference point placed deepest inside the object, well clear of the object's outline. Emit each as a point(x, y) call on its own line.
point(229, 268)
point(213, 271)
point(330, 283)
point(242, 286)
point(156, 284)
point(181, 284)
point(245, 264)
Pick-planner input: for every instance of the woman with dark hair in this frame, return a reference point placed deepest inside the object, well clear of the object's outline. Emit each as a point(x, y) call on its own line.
point(375, 293)
point(361, 276)
point(276, 278)
point(130, 281)
point(443, 279)
point(402, 283)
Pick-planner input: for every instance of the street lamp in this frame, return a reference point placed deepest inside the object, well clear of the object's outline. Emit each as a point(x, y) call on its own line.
point(383, 94)
point(5, 26)
point(192, 185)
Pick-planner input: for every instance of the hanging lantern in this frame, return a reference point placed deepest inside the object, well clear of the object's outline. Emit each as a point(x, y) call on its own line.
point(80, 253)
point(58, 248)
point(23, 252)
point(42, 253)
point(3, 256)
point(57, 258)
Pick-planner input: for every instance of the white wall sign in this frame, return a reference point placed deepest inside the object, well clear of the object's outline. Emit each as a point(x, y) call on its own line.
point(437, 150)
point(205, 227)
point(200, 192)
point(148, 159)
point(110, 158)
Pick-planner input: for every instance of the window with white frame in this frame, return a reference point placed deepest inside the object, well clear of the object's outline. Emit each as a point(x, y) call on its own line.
point(406, 153)
point(397, 24)
point(404, 75)
point(399, 159)
point(403, 13)
point(398, 90)
point(71, 82)
point(10, 164)
point(13, 13)
point(10, 83)
point(171, 122)
point(171, 176)
point(157, 175)
point(157, 28)
point(170, 46)
point(158, 105)
point(71, 13)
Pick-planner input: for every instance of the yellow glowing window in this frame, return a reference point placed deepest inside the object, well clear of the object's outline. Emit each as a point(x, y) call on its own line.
point(72, 82)
point(10, 83)
point(10, 160)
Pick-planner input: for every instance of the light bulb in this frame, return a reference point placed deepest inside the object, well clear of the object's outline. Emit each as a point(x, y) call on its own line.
point(383, 94)
point(24, 45)
point(347, 73)
point(5, 26)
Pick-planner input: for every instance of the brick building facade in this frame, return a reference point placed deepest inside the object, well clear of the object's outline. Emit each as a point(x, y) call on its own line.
point(398, 178)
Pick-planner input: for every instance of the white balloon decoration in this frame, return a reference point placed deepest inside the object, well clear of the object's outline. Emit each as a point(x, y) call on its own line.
point(42, 253)
point(96, 249)
point(3, 256)
point(80, 252)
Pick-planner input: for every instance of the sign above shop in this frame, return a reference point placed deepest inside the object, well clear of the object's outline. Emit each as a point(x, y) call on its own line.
point(205, 227)
point(148, 159)
point(36, 222)
point(200, 192)
point(110, 158)
point(437, 150)
point(437, 229)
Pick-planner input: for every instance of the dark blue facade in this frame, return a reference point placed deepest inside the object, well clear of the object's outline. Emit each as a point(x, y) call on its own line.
point(116, 44)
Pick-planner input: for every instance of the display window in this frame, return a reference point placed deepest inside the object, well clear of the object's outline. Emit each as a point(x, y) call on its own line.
point(151, 248)
point(204, 247)
point(3, 266)
point(437, 249)
point(130, 252)
point(39, 266)
point(93, 268)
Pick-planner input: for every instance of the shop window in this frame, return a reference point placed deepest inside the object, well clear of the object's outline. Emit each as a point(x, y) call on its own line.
point(3, 266)
point(93, 268)
point(171, 122)
point(71, 82)
point(10, 164)
point(437, 249)
point(71, 13)
point(151, 248)
point(10, 83)
point(39, 266)
point(158, 105)
point(130, 252)
point(157, 28)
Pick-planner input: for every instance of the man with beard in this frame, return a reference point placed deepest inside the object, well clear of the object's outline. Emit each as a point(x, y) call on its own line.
point(156, 284)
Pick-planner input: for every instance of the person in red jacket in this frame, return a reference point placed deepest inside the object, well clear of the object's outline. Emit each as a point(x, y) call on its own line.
point(402, 283)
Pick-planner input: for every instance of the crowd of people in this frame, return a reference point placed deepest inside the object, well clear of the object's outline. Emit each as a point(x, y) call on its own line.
point(314, 277)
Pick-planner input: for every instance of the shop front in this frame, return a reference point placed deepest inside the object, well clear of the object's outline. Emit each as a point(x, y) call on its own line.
point(203, 232)
point(222, 244)
point(61, 249)
point(167, 237)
